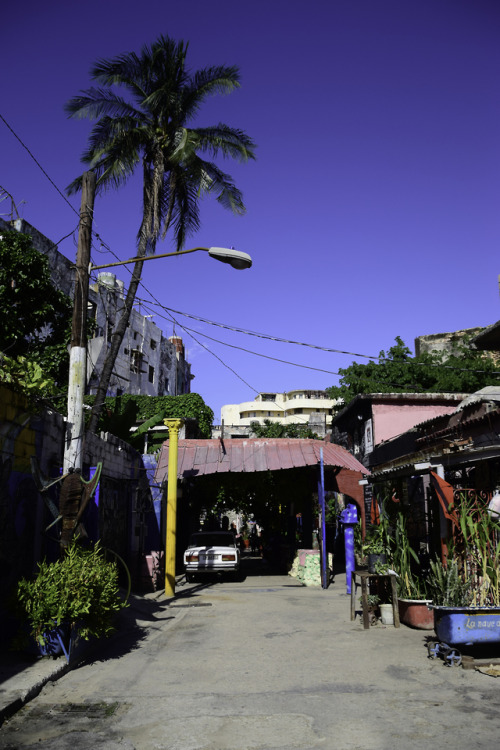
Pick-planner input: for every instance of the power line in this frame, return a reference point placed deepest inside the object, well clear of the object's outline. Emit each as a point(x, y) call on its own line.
point(147, 290)
point(269, 337)
point(177, 323)
point(38, 164)
point(190, 332)
point(107, 246)
point(381, 360)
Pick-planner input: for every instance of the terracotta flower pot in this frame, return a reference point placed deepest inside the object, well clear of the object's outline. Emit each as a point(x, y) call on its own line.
point(416, 614)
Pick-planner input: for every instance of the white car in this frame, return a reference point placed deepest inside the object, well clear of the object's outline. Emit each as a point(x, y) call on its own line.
point(211, 552)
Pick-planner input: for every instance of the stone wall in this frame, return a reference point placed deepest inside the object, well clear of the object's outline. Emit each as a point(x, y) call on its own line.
point(23, 515)
point(119, 514)
point(444, 342)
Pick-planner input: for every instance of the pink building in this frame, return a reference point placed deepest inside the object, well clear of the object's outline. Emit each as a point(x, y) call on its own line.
point(373, 418)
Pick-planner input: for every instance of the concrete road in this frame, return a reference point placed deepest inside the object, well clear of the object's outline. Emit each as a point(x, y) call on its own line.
point(262, 664)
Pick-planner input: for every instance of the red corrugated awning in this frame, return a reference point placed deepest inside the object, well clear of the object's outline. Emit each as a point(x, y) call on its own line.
point(198, 457)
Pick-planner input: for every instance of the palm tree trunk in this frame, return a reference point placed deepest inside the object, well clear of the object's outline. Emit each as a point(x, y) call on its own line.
point(116, 342)
point(147, 239)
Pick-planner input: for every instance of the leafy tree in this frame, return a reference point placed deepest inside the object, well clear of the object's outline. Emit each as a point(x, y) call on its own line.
point(277, 430)
point(150, 125)
point(35, 322)
point(121, 413)
point(465, 371)
point(27, 377)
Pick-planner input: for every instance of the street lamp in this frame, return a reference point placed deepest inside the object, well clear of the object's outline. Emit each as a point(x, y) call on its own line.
point(234, 258)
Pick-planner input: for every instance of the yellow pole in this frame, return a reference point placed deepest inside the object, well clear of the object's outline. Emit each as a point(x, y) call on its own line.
point(174, 425)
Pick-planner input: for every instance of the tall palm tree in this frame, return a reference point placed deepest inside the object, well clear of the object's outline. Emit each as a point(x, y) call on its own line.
point(151, 124)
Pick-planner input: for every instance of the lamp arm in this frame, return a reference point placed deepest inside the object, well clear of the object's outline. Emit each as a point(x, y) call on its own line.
point(147, 257)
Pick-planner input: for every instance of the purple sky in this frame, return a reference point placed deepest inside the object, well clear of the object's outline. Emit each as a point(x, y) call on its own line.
point(372, 208)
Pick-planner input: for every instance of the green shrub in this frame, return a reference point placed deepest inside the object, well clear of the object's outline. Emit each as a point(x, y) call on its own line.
point(80, 589)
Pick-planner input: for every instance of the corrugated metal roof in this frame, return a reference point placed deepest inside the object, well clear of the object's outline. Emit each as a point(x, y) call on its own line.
point(488, 339)
point(198, 457)
point(458, 427)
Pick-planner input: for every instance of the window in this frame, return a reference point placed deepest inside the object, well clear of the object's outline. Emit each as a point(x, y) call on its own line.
point(135, 361)
point(151, 376)
point(153, 344)
point(368, 436)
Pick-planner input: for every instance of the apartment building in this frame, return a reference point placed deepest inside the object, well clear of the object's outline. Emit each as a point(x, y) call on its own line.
point(149, 363)
point(307, 407)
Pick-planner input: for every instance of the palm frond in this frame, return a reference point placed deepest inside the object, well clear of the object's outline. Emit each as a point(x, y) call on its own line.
point(226, 140)
point(94, 103)
point(214, 180)
point(208, 82)
point(185, 213)
point(118, 70)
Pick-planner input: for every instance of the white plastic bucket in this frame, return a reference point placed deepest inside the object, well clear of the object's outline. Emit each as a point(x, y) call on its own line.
point(386, 614)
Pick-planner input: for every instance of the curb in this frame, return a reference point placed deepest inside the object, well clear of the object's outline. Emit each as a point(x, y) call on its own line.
point(24, 696)
point(12, 699)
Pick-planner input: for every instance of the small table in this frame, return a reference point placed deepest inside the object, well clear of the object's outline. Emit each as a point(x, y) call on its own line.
point(364, 577)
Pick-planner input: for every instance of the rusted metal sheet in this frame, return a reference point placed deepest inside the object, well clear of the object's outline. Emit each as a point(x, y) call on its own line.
point(197, 457)
point(260, 459)
point(292, 453)
point(235, 457)
point(273, 459)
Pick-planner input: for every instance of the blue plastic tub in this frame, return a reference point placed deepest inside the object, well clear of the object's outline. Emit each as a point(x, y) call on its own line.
point(56, 641)
point(467, 625)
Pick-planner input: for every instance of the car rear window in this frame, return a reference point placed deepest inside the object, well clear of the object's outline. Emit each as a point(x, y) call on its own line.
point(212, 539)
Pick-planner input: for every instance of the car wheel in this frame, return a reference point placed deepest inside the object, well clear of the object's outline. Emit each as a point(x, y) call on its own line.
point(190, 578)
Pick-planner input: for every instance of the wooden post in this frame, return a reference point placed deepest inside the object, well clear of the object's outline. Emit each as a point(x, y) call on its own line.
point(78, 352)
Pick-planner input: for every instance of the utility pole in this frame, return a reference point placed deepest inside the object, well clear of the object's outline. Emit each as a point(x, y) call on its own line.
point(78, 353)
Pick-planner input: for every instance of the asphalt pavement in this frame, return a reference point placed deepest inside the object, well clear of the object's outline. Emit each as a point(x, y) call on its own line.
point(23, 674)
point(259, 664)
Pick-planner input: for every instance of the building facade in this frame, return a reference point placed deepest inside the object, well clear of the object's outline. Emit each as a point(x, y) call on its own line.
point(371, 420)
point(307, 407)
point(149, 363)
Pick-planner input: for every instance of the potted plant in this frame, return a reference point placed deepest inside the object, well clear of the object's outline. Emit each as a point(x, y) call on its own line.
point(376, 545)
point(448, 587)
point(77, 592)
point(413, 603)
point(465, 586)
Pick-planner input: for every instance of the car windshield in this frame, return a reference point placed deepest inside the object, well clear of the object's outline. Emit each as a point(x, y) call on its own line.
point(212, 539)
